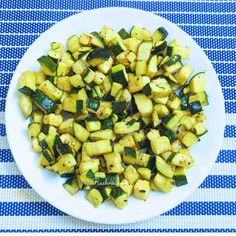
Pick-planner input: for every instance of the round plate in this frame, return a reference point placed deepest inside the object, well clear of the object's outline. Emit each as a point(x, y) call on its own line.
point(49, 185)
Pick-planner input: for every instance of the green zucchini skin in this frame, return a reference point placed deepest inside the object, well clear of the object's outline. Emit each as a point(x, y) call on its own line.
point(27, 83)
point(48, 155)
point(180, 177)
point(143, 144)
point(123, 34)
point(103, 192)
point(79, 105)
point(120, 78)
point(116, 49)
point(60, 147)
point(109, 180)
point(173, 60)
point(43, 144)
point(44, 102)
point(151, 163)
point(52, 79)
point(159, 48)
point(90, 175)
point(184, 102)
point(71, 185)
point(169, 134)
point(48, 65)
point(117, 192)
point(131, 122)
point(131, 107)
point(163, 32)
point(26, 90)
point(99, 53)
point(98, 38)
point(116, 46)
point(130, 152)
point(107, 123)
point(93, 103)
point(169, 50)
point(195, 107)
point(45, 128)
point(118, 107)
point(168, 118)
point(180, 180)
point(147, 90)
point(98, 56)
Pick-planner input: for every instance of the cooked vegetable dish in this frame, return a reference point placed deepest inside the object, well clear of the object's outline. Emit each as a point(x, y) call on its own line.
point(115, 113)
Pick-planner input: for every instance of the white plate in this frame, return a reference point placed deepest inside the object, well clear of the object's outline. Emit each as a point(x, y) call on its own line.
point(48, 185)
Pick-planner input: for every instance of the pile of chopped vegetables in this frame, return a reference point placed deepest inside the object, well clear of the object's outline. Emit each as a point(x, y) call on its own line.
point(115, 113)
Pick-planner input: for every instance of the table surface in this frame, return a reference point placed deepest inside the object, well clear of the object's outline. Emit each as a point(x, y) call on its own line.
point(212, 207)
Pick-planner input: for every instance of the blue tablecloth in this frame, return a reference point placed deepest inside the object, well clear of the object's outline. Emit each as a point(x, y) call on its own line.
point(212, 208)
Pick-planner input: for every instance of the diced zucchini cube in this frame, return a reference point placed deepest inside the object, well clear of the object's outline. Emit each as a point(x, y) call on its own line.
point(189, 138)
point(142, 189)
point(95, 197)
point(131, 174)
point(163, 183)
point(160, 145)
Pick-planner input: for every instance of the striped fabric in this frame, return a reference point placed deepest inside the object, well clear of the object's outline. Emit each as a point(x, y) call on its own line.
point(212, 208)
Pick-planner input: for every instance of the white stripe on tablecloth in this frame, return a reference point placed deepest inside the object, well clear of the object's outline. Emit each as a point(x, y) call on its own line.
point(17, 34)
point(10, 59)
point(159, 222)
point(2, 117)
point(29, 195)
point(218, 49)
point(226, 74)
point(218, 61)
point(223, 169)
point(228, 144)
point(4, 143)
point(215, 194)
point(15, 46)
point(230, 118)
point(10, 168)
point(228, 87)
point(19, 195)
